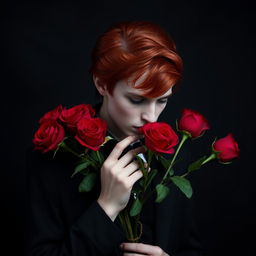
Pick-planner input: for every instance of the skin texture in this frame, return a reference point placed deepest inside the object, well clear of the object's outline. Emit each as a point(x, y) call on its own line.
point(125, 111)
point(136, 249)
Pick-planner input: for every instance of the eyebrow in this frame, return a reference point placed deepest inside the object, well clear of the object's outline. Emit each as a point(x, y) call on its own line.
point(140, 96)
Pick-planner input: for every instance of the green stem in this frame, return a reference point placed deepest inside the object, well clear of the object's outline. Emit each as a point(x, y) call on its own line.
point(211, 157)
point(93, 163)
point(184, 138)
point(130, 228)
point(150, 154)
point(98, 155)
point(185, 174)
point(128, 222)
point(64, 145)
point(123, 223)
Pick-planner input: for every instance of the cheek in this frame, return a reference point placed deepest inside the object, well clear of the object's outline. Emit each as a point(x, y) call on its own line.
point(160, 109)
point(121, 111)
point(127, 114)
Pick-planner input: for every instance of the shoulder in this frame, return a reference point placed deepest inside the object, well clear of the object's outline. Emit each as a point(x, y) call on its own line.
point(47, 165)
point(49, 177)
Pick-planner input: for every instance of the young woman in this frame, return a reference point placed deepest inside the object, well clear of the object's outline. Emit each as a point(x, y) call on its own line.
point(134, 66)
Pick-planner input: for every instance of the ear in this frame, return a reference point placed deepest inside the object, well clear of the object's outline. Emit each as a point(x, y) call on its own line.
point(102, 89)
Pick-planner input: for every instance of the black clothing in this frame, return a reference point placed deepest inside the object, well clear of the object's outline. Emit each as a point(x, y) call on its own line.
point(63, 221)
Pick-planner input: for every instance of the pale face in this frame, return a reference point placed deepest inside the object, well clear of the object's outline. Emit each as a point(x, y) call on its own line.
point(127, 110)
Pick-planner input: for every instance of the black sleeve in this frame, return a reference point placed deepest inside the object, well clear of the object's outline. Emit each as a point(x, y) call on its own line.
point(190, 245)
point(61, 221)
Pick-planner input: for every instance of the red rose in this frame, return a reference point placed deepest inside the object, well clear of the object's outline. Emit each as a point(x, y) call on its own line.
point(160, 137)
point(73, 115)
point(227, 148)
point(48, 136)
point(193, 123)
point(53, 114)
point(91, 132)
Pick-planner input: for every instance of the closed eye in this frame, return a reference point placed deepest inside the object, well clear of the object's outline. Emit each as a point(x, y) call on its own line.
point(136, 100)
point(141, 100)
point(163, 101)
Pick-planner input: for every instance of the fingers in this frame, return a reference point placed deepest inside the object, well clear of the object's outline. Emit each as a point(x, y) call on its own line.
point(129, 169)
point(120, 146)
point(141, 248)
point(129, 156)
point(134, 177)
point(132, 254)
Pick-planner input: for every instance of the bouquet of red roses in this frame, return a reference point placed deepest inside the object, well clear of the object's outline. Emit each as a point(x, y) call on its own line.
point(79, 132)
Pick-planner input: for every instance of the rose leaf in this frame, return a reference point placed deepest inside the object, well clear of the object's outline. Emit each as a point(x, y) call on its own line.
point(88, 182)
point(136, 208)
point(80, 168)
point(183, 184)
point(162, 191)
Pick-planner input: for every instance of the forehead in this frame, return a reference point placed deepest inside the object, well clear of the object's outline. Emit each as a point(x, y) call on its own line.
point(126, 87)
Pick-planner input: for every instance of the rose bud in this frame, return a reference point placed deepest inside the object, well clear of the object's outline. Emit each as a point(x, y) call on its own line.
point(91, 132)
point(192, 123)
point(48, 136)
point(159, 137)
point(70, 117)
point(226, 148)
point(52, 115)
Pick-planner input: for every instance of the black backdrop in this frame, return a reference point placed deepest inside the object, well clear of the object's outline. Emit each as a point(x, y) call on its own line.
point(46, 56)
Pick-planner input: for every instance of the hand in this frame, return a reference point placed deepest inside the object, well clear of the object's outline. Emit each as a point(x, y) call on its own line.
point(118, 175)
point(138, 249)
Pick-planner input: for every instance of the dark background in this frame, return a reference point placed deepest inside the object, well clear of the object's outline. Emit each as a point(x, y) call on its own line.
point(46, 56)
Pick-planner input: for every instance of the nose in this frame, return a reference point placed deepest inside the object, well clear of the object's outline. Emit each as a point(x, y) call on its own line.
point(149, 113)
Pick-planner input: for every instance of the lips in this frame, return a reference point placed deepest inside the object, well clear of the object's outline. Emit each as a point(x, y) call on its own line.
point(137, 127)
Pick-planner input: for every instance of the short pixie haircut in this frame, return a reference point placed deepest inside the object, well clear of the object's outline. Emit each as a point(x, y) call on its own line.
point(128, 50)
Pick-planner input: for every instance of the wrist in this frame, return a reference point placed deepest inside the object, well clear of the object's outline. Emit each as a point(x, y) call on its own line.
point(110, 210)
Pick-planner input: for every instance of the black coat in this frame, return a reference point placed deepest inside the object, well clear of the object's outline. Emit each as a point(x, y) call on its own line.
point(62, 221)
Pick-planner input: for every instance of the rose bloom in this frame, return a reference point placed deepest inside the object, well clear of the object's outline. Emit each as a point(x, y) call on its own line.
point(160, 137)
point(227, 148)
point(48, 136)
point(53, 114)
point(193, 123)
point(70, 117)
point(91, 132)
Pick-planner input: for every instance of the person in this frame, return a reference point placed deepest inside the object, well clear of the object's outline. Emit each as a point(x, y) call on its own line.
point(135, 66)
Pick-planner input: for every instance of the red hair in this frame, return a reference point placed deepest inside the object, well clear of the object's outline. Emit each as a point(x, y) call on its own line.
point(131, 49)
